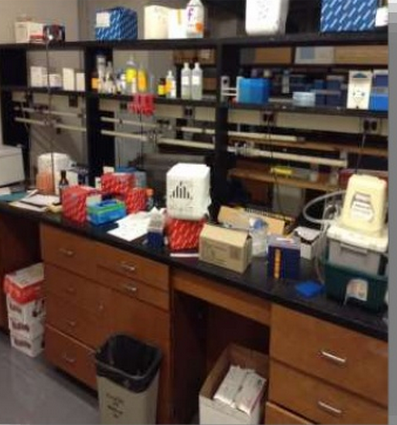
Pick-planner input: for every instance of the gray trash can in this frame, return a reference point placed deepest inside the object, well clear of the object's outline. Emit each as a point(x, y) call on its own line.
point(127, 377)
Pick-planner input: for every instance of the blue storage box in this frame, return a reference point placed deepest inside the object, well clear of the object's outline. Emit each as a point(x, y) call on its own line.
point(106, 212)
point(348, 15)
point(379, 100)
point(254, 90)
point(118, 23)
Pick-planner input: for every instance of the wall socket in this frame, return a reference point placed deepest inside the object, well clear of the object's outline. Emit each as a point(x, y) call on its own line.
point(371, 125)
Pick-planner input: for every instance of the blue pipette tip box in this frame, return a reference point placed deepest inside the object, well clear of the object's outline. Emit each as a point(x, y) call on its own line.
point(309, 289)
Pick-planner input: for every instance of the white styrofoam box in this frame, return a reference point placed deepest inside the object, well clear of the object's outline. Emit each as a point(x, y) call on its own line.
point(264, 17)
point(26, 313)
point(69, 79)
point(38, 76)
point(11, 165)
point(30, 330)
point(311, 55)
point(156, 22)
point(80, 81)
point(30, 347)
point(359, 92)
point(55, 81)
point(353, 249)
point(176, 24)
point(24, 30)
point(188, 191)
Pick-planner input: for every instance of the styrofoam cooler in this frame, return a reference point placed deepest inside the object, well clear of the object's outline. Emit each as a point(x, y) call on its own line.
point(188, 191)
point(264, 17)
point(355, 250)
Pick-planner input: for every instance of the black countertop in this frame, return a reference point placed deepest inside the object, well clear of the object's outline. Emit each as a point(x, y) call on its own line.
point(253, 281)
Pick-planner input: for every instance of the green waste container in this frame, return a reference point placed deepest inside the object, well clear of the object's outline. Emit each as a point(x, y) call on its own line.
point(127, 376)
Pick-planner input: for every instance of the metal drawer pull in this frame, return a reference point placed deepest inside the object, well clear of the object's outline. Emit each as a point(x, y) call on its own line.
point(127, 267)
point(132, 289)
point(66, 252)
point(71, 323)
point(68, 359)
point(332, 358)
point(329, 409)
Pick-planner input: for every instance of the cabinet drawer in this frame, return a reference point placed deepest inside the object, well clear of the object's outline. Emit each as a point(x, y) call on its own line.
point(319, 401)
point(276, 415)
point(75, 321)
point(68, 251)
point(70, 356)
point(337, 355)
point(133, 288)
point(133, 266)
point(76, 290)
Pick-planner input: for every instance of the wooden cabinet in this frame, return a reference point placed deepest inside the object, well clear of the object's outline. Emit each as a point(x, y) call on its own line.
point(327, 373)
point(276, 415)
point(94, 291)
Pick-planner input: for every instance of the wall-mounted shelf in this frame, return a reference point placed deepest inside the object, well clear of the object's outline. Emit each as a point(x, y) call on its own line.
point(42, 90)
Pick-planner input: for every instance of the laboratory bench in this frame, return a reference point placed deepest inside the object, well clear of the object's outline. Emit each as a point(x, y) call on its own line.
point(328, 362)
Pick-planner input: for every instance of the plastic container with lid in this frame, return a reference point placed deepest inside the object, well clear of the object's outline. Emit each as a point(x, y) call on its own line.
point(264, 17)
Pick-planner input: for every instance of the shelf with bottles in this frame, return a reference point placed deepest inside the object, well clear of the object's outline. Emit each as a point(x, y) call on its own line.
point(43, 90)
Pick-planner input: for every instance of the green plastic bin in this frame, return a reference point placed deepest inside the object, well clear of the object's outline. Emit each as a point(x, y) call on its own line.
point(337, 279)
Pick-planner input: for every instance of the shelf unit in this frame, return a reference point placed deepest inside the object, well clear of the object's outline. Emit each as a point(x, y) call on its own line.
point(101, 148)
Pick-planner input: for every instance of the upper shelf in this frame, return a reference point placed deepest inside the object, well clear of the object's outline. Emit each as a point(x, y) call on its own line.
point(310, 39)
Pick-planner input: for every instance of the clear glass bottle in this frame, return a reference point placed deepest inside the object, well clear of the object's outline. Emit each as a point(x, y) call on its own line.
point(170, 86)
point(131, 76)
point(197, 82)
point(186, 82)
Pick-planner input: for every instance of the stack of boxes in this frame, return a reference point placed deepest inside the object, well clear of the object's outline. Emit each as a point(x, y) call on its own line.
point(188, 199)
point(26, 309)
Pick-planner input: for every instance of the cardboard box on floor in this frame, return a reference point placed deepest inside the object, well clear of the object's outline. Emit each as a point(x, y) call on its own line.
point(231, 249)
point(240, 220)
point(215, 412)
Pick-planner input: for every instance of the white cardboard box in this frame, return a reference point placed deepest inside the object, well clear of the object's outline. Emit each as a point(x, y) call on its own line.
point(69, 79)
point(30, 347)
point(156, 22)
point(29, 330)
point(176, 24)
point(80, 81)
point(188, 191)
point(309, 239)
point(360, 85)
point(38, 76)
point(26, 313)
point(26, 29)
point(215, 412)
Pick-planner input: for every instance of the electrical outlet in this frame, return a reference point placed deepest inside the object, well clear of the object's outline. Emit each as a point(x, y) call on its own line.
point(269, 118)
point(371, 125)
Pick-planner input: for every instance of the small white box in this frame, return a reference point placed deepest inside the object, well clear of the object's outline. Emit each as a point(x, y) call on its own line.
point(26, 313)
point(315, 55)
point(156, 23)
point(176, 24)
point(69, 79)
point(26, 29)
point(55, 81)
point(309, 239)
point(38, 76)
point(80, 81)
point(30, 330)
point(360, 85)
point(30, 347)
point(188, 191)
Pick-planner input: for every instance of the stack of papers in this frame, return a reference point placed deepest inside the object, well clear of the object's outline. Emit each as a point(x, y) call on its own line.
point(132, 227)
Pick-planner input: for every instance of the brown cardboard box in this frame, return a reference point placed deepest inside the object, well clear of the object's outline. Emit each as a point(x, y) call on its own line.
point(231, 249)
point(212, 411)
point(271, 56)
point(362, 55)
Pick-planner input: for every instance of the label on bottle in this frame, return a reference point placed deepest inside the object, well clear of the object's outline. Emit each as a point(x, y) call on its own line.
point(161, 90)
point(186, 81)
point(103, 20)
point(196, 80)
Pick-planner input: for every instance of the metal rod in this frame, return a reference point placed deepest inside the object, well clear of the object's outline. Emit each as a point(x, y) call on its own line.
point(124, 135)
point(46, 112)
point(71, 127)
point(185, 143)
point(196, 130)
point(56, 125)
point(128, 122)
point(260, 136)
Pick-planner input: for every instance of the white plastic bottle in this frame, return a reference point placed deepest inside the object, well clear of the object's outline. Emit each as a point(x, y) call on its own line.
point(186, 82)
point(195, 19)
point(197, 82)
point(170, 86)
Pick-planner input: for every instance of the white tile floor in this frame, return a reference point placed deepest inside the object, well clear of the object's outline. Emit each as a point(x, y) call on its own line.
point(32, 392)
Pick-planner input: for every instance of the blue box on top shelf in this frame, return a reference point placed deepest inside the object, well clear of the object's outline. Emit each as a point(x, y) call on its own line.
point(379, 100)
point(118, 23)
point(348, 15)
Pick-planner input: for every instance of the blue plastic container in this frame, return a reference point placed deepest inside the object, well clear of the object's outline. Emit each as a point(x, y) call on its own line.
point(254, 90)
point(106, 212)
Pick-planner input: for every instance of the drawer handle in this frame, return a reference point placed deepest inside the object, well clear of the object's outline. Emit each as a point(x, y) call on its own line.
point(68, 359)
point(329, 409)
point(127, 267)
point(66, 252)
point(132, 289)
point(332, 358)
point(71, 323)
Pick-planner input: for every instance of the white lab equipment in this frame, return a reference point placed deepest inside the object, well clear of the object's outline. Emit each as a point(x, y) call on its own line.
point(11, 165)
point(265, 17)
point(188, 191)
point(156, 22)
